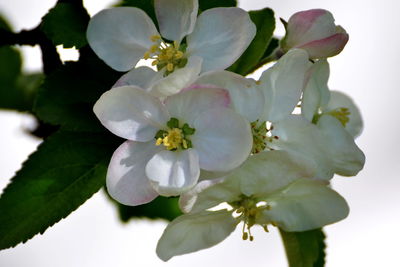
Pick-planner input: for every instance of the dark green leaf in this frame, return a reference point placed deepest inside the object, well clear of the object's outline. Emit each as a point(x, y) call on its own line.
point(305, 249)
point(265, 22)
point(207, 4)
point(66, 24)
point(160, 208)
point(173, 123)
point(145, 5)
point(68, 94)
point(61, 175)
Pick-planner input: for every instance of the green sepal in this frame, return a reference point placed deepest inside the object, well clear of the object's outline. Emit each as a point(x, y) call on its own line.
point(187, 130)
point(304, 249)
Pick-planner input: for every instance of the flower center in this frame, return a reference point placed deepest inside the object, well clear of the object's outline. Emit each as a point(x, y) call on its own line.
point(260, 136)
point(249, 209)
point(342, 114)
point(175, 137)
point(166, 55)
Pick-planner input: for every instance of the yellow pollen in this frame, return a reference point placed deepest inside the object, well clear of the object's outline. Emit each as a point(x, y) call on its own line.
point(170, 67)
point(146, 55)
point(173, 140)
point(155, 38)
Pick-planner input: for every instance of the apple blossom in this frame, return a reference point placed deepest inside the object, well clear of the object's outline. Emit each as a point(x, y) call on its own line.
point(272, 187)
point(169, 141)
point(314, 31)
point(273, 98)
point(122, 36)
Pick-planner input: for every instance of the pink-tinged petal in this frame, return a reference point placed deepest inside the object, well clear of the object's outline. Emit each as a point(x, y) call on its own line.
point(141, 77)
point(131, 113)
point(340, 100)
point(327, 47)
point(174, 82)
point(283, 84)
point(222, 139)
point(120, 36)
point(193, 232)
point(176, 18)
point(220, 37)
point(247, 98)
point(305, 205)
point(309, 25)
point(126, 178)
point(173, 172)
point(188, 104)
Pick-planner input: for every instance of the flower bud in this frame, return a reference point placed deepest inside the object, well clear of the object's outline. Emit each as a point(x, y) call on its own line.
point(315, 31)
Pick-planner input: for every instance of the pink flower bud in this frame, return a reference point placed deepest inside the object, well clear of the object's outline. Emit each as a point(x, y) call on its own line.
point(315, 31)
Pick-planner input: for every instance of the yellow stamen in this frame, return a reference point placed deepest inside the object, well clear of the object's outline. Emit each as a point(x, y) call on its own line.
point(146, 55)
point(155, 38)
point(170, 67)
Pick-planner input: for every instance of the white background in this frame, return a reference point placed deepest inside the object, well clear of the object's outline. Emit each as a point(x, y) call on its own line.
point(368, 70)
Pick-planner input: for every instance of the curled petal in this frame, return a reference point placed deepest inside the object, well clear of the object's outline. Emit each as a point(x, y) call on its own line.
point(220, 37)
point(222, 139)
point(120, 36)
point(173, 172)
point(126, 178)
point(176, 18)
point(316, 92)
point(193, 232)
point(305, 205)
point(173, 83)
point(131, 113)
point(283, 83)
point(141, 77)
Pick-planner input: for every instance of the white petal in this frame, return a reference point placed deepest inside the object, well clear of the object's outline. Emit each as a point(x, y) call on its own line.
point(247, 98)
point(328, 144)
point(126, 179)
point(131, 113)
point(258, 176)
point(120, 36)
point(306, 205)
point(193, 232)
point(222, 139)
point(340, 100)
point(283, 83)
point(346, 158)
point(141, 77)
point(187, 105)
point(176, 18)
point(177, 80)
point(173, 172)
point(188, 199)
point(316, 94)
point(220, 37)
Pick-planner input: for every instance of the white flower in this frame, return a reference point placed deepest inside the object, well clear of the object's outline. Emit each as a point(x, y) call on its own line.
point(169, 141)
point(318, 100)
point(271, 187)
point(122, 36)
point(273, 100)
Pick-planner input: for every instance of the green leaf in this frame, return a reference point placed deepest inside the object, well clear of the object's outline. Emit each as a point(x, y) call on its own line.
point(66, 170)
point(305, 249)
point(66, 24)
point(207, 4)
point(145, 5)
point(160, 208)
point(67, 95)
point(265, 22)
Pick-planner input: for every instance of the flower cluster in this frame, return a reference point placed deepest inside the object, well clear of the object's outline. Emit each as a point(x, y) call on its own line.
point(266, 148)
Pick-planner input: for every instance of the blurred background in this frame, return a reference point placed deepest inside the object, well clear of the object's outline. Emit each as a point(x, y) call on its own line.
point(367, 70)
